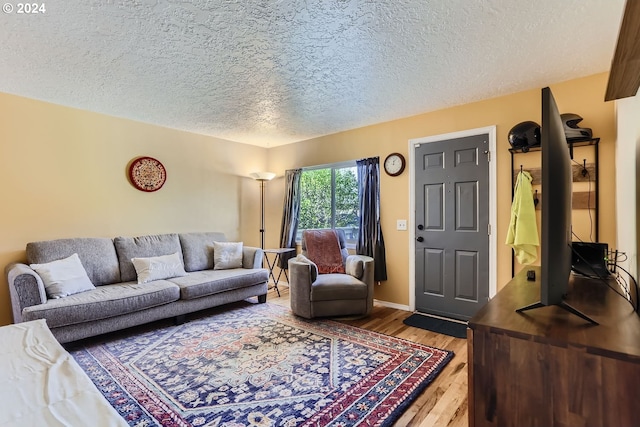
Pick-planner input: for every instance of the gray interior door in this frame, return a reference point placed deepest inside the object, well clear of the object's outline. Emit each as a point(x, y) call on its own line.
point(452, 226)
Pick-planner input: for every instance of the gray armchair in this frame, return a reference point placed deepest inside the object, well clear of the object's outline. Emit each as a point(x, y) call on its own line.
point(332, 294)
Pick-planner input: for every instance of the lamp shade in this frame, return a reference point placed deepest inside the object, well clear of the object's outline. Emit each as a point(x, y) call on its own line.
point(263, 176)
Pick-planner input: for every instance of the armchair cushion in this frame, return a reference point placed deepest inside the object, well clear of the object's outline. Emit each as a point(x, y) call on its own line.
point(336, 286)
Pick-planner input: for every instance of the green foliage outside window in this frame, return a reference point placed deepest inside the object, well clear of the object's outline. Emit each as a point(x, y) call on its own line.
point(327, 204)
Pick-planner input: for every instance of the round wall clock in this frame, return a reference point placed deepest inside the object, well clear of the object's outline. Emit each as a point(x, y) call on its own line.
point(394, 164)
point(147, 174)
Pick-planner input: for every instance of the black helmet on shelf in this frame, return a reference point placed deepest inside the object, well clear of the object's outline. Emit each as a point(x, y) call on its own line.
point(571, 129)
point(525, 135)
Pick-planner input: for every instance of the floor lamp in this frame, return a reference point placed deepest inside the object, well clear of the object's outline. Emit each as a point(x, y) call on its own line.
point(262, 177)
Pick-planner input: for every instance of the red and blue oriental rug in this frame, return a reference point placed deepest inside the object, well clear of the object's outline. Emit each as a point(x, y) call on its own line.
point(260, 366)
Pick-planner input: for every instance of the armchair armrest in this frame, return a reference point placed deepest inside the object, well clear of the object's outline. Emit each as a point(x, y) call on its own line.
point(25, 288)
point(362, 267)
point(301, 276)
point(252, 257)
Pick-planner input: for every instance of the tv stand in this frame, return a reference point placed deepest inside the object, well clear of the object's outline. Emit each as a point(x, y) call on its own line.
point(561, 304)
point(549, 367)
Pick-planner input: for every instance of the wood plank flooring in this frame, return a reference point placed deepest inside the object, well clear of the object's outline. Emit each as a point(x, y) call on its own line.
point(444, 402)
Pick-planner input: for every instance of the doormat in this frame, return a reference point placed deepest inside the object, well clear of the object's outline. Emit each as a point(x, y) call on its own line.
point(260, 366)
point(441, 326)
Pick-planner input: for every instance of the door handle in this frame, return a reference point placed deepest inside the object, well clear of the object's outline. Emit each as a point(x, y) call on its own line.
point(420, 239)
point(420, 227)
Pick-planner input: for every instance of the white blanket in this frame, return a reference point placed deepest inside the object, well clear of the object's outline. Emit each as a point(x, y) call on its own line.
point(42, 385)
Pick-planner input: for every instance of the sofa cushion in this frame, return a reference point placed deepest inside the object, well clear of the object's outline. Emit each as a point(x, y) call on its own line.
point(103, 302)
point(98, 256)
point(196, 249)
point(63, 277)
point(336, 286)
point(143, 247)
point(208, 282)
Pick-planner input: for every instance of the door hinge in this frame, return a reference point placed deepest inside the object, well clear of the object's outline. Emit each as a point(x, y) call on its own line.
point(489, 229)
point(488, 153)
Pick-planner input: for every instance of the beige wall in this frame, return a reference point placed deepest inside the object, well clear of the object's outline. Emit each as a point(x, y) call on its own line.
point(63, 174)
point(628, 174)
point(582, 96)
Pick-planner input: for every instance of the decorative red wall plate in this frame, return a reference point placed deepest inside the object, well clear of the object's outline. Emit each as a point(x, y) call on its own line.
point(147, 174)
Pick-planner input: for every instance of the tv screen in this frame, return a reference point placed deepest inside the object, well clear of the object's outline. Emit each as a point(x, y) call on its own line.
point(557, 183)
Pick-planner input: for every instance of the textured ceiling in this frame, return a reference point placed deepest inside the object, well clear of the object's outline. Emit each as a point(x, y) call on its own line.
point(270, 72)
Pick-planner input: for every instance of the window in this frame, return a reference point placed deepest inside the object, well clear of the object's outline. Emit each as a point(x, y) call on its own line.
point(329, 199)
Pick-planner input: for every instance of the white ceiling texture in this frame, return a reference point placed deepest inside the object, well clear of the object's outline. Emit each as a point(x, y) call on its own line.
point(271, 72)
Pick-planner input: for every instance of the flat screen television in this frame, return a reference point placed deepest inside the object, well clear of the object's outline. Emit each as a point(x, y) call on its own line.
point(557, 182)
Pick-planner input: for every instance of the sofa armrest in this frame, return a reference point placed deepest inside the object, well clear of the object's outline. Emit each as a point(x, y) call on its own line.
point(252, 257)
point(25, 288)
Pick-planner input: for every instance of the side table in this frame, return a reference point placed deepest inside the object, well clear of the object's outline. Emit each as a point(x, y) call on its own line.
point(274, 261)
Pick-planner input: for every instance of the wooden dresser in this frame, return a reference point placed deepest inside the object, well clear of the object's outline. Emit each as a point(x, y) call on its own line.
point(548, 367)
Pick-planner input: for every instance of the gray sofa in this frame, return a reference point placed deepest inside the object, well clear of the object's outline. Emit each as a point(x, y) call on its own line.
point(118, 301)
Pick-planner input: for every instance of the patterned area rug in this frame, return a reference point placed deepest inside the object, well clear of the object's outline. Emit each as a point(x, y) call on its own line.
point(259, 365)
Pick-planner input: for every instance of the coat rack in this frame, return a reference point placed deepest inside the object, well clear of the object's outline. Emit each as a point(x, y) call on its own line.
point(536, 200)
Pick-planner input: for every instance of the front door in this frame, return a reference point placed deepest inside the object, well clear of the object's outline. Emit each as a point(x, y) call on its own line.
point(452, 226)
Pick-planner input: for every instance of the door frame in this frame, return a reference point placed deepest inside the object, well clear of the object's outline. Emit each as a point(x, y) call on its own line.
point(493, 264)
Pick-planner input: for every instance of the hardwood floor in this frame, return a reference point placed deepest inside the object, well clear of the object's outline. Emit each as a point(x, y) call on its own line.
point(444, 402)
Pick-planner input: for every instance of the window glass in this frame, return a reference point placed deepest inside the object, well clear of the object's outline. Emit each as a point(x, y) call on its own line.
point(329, 199)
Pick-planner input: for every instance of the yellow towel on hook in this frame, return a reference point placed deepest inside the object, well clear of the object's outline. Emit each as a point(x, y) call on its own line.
point(523, 228)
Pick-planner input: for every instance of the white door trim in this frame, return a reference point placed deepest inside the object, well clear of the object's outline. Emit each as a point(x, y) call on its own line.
point(493, 265)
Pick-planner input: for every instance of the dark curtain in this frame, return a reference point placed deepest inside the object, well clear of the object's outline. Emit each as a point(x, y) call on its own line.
point(290, 215)
point(370, 241)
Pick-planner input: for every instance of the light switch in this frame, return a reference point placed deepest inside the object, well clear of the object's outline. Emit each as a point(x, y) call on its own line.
point(401, 224)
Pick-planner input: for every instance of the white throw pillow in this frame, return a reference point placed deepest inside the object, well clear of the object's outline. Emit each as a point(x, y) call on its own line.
point(158, 267)
point(63, 277)
point(227, 255)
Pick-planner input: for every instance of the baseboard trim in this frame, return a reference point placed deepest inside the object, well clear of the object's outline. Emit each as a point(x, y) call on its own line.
point(392, 305)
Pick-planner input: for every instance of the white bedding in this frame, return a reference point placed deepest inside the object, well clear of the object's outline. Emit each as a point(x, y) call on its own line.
point(42, 385)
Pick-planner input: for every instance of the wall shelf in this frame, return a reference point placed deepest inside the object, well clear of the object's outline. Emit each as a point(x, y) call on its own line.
point(572, 144)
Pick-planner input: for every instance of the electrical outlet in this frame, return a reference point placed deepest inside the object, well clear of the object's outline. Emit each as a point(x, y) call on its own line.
point(401, 224)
